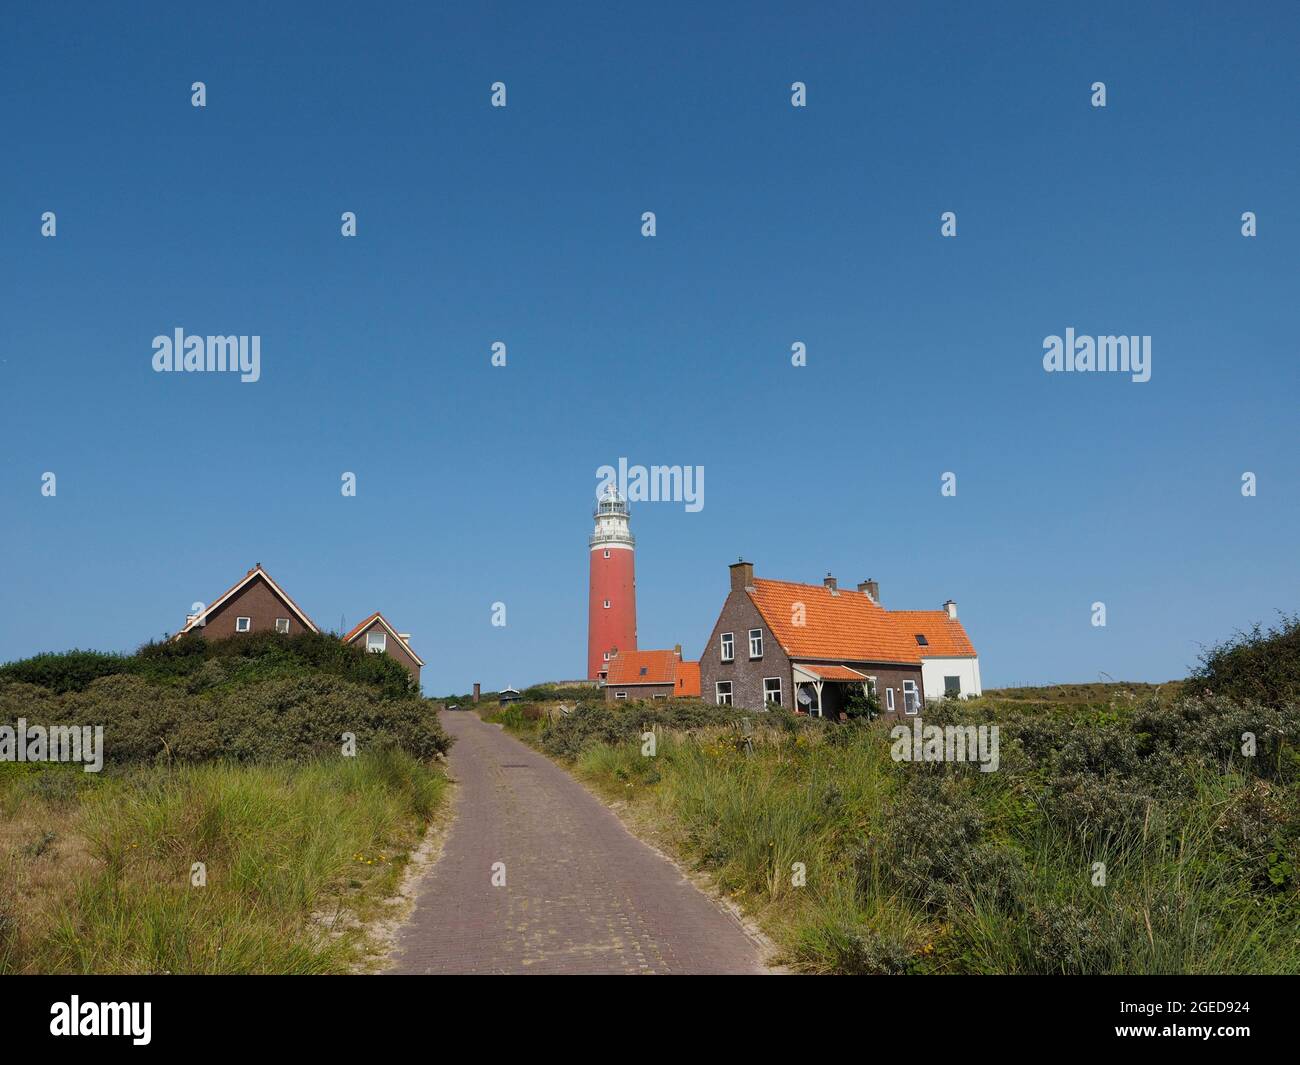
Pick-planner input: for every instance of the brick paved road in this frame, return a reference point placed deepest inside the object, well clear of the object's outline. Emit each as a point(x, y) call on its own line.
point(582, 894)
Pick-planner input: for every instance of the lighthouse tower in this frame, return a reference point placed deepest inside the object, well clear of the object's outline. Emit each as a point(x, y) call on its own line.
point(611, 609)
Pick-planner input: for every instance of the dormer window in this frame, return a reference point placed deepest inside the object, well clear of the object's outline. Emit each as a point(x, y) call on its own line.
point(921, 640)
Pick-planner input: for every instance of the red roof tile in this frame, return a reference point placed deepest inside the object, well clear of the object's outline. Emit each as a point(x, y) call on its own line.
point(833, 672)
point(660, 667)
point(945, 636)
point(846, 625)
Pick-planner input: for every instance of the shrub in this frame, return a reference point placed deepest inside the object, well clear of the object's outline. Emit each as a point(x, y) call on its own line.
point(280, 718)
point(59, 673)
point(1262, 665)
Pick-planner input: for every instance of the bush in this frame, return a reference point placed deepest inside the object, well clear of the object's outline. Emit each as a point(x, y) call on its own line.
point(197, 664)
point(293, 718)
point(59, 673)
point(1262, 665)
point(589, 724)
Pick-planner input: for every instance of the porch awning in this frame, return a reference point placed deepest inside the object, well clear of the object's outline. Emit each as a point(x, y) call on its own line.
point(812, 674)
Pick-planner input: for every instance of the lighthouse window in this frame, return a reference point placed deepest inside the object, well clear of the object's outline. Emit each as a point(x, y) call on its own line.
point(728, 646)
point(607, 552)
point(755, 643)
point(606, 604)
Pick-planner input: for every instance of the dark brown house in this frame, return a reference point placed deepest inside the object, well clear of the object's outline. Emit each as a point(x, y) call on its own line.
point(378, 636)
point(255, 604)
point(806, 647)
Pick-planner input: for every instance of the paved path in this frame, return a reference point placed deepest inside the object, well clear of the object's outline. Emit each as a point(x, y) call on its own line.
point(582, 894)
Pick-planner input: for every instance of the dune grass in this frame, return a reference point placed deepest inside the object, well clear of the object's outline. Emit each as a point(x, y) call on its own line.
point(97, 871)
point(1136, 843)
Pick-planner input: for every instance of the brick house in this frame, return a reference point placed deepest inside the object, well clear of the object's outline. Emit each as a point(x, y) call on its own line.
point(254, 604)
point(651, 675)
point(375, 634)
point(807, 647)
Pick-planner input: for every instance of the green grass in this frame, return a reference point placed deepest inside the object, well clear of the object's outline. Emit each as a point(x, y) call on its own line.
point(96, 871)
point(938, 868)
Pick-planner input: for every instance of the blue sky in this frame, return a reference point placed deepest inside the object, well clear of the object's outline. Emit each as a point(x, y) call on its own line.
point(775, 225)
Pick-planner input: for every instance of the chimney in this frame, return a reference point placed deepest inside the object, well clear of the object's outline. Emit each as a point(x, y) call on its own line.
point(678, 652)
point(477, 690)
point(871, 589)
point(742, 575)
point(951, 608)
point(829, 582)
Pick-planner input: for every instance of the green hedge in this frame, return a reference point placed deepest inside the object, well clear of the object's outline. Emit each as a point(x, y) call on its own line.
point(196, 663)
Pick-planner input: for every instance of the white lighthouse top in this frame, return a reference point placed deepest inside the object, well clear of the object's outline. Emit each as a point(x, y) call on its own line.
point(612, 520)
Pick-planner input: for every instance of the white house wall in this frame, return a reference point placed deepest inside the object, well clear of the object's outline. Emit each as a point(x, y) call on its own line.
point(933, 670)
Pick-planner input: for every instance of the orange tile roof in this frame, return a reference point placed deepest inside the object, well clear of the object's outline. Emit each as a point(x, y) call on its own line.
point(688, 679)
point(847, 626)
point(661, 667)
point(834, 672)
point(947, 638)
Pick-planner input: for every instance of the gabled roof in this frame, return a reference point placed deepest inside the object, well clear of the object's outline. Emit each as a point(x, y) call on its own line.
point(845, 626)
point(252, 575)
point(377, 616)
point(945, 637)
point(654, 667)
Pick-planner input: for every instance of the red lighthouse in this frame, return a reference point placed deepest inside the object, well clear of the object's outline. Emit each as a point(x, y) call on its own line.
point(611, 610)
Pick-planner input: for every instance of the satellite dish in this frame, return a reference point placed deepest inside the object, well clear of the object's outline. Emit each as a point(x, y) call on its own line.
point(804, 698)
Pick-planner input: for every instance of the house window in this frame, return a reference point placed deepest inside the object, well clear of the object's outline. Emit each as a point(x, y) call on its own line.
point(620, 695)
point(243, 624)
point(871, 685)
point(377, 642)
point(659, 697)
point(728, 646)
point(921, 641)
point(911, 697)
point(723, 692)
point(952, 685)
point(606, 604)
point(281, 624)
point(644, 670)
point(889, 699)
point(755, 643)
point(772, 690)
